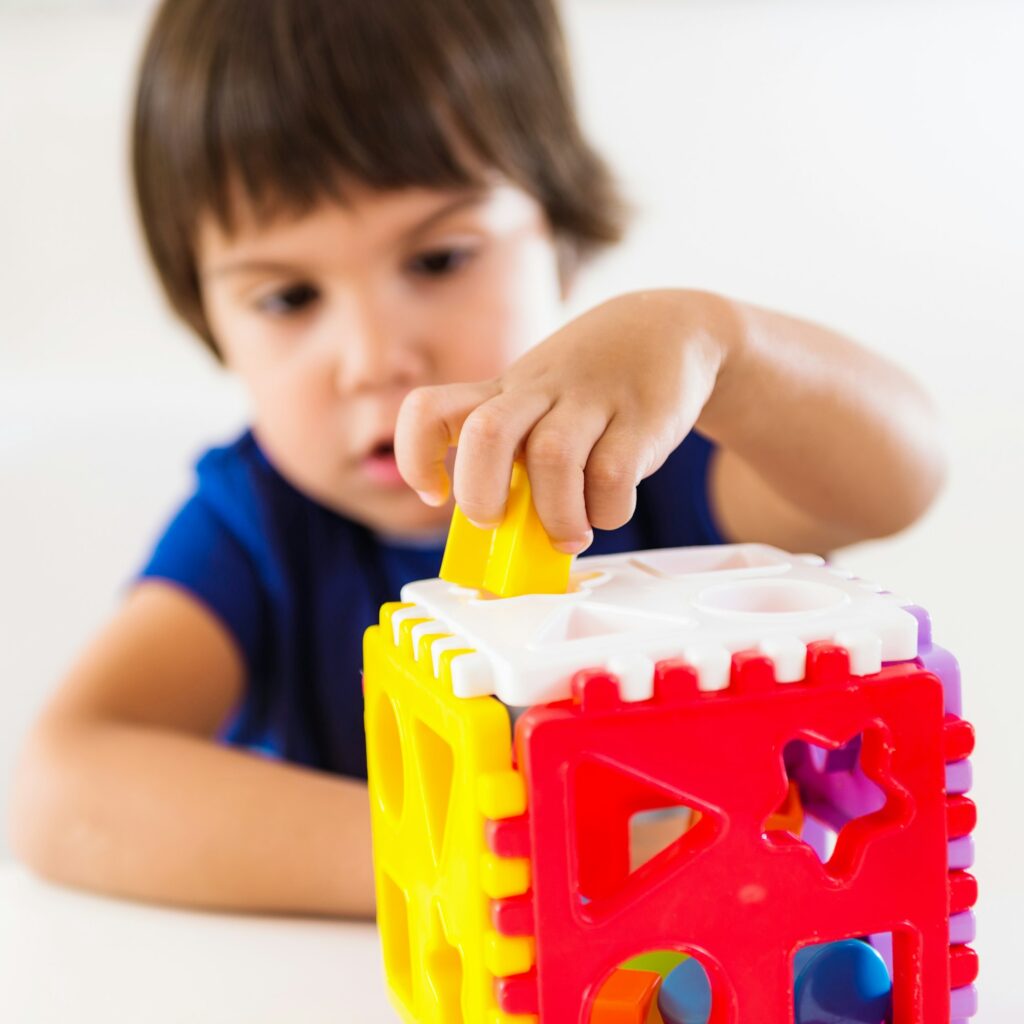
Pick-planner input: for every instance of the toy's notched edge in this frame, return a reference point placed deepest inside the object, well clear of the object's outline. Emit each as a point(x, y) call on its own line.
point(413, 629)
point(678, 680)
point(506, 874)
point(439, 652)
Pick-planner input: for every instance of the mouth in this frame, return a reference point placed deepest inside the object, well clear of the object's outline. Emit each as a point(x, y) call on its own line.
point(380, 466)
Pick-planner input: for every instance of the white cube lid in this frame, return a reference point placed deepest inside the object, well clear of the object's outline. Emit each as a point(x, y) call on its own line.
point(626, 612)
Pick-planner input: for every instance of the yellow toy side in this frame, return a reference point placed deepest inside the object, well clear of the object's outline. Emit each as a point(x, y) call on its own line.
point(435, 762)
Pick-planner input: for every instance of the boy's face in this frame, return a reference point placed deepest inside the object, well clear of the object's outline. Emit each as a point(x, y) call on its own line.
point(333, 317)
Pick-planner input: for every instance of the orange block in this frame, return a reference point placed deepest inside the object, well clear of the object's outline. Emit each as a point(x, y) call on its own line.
point(628, 997)
point(789, 816)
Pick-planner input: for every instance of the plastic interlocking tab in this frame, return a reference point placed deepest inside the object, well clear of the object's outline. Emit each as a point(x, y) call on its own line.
point(961, 817)
point(514, 558)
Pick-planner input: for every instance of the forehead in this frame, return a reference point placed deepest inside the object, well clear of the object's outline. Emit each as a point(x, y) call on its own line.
point(360, 215)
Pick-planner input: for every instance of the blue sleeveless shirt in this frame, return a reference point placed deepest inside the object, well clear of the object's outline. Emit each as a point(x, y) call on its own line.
point(296, 584)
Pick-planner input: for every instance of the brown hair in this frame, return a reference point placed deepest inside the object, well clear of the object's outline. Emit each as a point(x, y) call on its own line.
point(287, 98)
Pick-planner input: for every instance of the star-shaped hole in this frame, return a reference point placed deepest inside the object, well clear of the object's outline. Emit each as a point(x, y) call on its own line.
point(848, 797)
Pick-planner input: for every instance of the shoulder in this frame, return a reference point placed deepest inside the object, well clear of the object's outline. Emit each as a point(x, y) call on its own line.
point(236, 483)
point(290, 538)
point(214, 546)
point(234, 470)
point(235, 525)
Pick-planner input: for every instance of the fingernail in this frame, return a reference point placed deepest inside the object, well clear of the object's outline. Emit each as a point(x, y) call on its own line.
point(484, 526)
point(574, 547)
point(431, 498)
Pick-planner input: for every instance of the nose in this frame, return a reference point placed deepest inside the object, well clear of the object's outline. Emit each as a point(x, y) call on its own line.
point(372, 351)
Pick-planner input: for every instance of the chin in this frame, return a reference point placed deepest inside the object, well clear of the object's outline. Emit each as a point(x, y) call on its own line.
point(418, 516)
point(400, 511)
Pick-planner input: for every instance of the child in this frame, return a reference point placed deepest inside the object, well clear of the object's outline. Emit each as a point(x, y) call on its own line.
point(371, 213)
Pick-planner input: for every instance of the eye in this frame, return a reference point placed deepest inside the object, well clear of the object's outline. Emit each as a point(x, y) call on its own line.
point(287, 301)
point(439, 262)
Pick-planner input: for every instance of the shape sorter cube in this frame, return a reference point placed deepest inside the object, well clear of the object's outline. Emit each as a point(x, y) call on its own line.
point(730, 680)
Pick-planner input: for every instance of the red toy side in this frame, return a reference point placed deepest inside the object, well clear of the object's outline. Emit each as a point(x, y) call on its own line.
point(739, 898)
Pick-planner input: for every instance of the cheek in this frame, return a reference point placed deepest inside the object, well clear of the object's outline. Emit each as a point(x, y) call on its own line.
point(538, 302)
point(295, 395)
point(513, 304)
point(288, 386)
point(531, 294)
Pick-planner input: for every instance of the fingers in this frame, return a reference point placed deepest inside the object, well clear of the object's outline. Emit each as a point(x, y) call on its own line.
point(584, 470)
point(429, 423)
point(491, 436)
point(618, 462)
point(583, 467)
point(556, 452)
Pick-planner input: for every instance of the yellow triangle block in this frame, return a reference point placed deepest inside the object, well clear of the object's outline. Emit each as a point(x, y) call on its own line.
point(514, 558)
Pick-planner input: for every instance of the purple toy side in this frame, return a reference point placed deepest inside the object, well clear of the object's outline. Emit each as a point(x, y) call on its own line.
point(938, 660)
point(835, 790)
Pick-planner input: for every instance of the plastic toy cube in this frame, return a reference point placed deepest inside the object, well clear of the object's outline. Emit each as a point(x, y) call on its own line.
point(801, 716)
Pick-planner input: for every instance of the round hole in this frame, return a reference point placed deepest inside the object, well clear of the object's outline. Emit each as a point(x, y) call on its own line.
point(771, 597)
point(388, 766)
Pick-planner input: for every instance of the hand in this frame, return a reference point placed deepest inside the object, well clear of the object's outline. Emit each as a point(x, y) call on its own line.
point(593, 409)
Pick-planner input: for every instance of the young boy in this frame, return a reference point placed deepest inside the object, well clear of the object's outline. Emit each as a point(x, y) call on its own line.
point(371, 213)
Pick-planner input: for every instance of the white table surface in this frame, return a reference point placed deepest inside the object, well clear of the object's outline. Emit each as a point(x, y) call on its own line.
point(75, 958)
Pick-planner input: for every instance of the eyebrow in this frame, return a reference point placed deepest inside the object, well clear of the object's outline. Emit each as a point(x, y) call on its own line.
point(251, 267)
point(471, 198)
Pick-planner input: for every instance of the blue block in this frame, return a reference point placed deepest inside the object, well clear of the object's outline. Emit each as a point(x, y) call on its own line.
point(685, 995)
point(841, 983)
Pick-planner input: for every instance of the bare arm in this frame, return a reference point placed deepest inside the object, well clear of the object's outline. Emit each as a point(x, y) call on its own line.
point(822, 442)
point(121, 788)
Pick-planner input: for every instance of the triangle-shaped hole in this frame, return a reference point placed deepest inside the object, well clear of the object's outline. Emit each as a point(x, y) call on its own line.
point(585, 623)
point(653, 831)
point(436, 766)
point(628, 829)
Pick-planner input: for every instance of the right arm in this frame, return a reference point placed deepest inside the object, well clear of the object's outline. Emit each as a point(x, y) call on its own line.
point(122, 787)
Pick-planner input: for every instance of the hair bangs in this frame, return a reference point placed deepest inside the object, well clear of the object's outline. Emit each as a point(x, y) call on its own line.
point(293, 113)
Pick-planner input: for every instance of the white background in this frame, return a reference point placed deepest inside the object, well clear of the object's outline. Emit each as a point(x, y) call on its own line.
point(860, 163)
